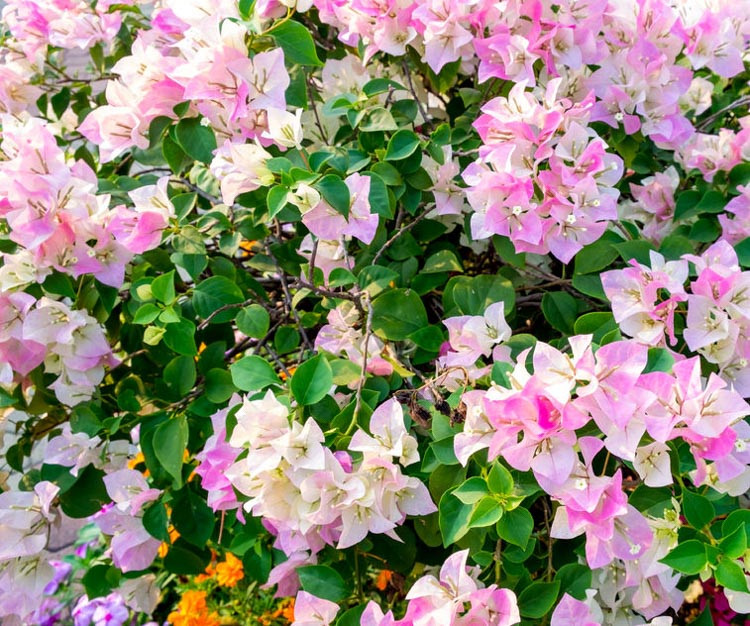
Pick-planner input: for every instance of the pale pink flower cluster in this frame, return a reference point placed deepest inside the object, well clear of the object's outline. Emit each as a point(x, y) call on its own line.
point(309, 496)
point(653, 204)
point(195, 52)
point(543, 178)
point(330, 227)
point(132, 547)
point(735, 221)
point(36, 24)
point(25, 568)
point(341, 336)
point(717, 324)
point(69, 342)
point(532, 425)
point(55, 215)
point(214, 459)
point(456, 598)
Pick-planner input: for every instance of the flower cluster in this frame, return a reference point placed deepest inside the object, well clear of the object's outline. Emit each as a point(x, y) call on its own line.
point(544, 178)
point(340, 336)
point(309, 496)
point(132, 547)
point(36, 24)
point(645, 300)
point(532, 425)
point(198, 54)
point(456, 597)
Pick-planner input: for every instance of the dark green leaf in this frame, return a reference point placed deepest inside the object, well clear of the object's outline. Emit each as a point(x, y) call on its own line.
point(536, 600)
point(312, 380)
point(560, 310)
point(688, 557)
point(323, 582)
point(402, 144)
point(516, 526)
point(196, 140)
point(170, 440)
point(296, 42)
point(397, 314)
point(253, 372)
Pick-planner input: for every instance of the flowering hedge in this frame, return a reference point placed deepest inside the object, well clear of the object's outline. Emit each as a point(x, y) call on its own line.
point(402, 312)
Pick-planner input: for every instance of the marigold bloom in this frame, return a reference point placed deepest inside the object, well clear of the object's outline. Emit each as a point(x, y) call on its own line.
point(230, 572)
point(192, 611)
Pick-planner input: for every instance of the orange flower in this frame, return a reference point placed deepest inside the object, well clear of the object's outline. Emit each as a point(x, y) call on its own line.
point(137, 460)
point(230, 572)
point(164, 547)
point(192, 611)
point(207, 574)
point(383, 579)
point(282, 374)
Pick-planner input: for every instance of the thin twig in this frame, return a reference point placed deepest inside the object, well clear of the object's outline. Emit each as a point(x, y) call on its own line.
point(398, 233)
point(363, 373)
point(221, 309)
point(422, 110)
point(314, 108)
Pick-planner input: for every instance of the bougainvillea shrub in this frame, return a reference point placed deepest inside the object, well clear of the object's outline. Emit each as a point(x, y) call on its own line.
point(375, 312)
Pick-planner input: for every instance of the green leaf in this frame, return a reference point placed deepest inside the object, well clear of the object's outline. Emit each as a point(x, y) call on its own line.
point(686, 204)
point(162, 287)
point(485, 513)
point(312, 380)
point(219, 386)
point(379, 85)
point(377, 119)
point(156, 521)
point(397, 314)
point(659, 360)
point(500, 480)
point(214, 293)
point(697, 509)
point(180, 375)
point(536, 600)
point(170, 440)
point(472, 296)
point(597, 324)
point(560, 310)
point(574, 579)
point(472, 490)
point(296, 42)
point(323, 582)
point(86, 496)
point(453, 518)
point(637, 249)
point(276, 199)
point(335, 192)
point(196, 140)
point(442, 261)
point(729, 574)
point(402, 144)
point(736, 519)
point(516, 526)
point(735, 544)
point(146, 313)
point(253, 321)
point(100, 580)
point(595, 257)
point(688, 557)
point(186, 559)
point(180, 337)
point(252, 372)
point(192, 517)
point(351, 617)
